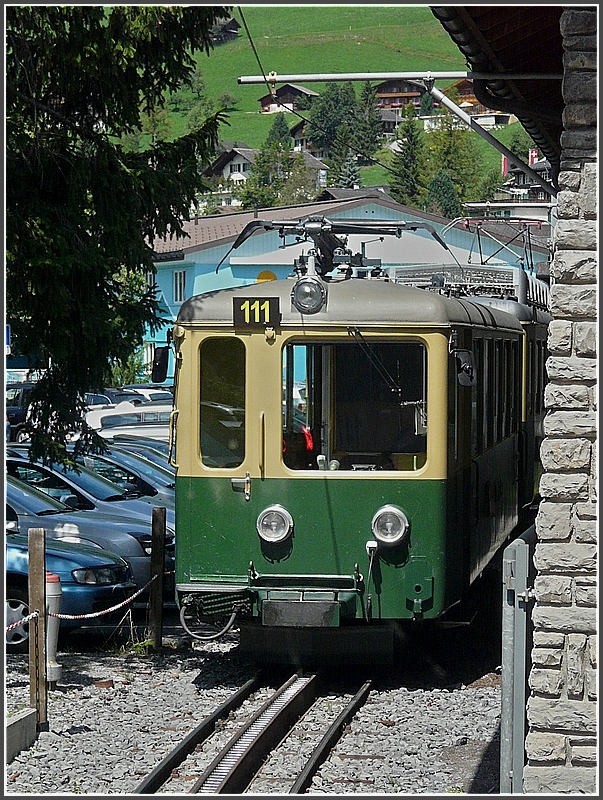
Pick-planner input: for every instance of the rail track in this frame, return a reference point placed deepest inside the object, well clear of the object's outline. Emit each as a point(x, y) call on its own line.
point(254, 741)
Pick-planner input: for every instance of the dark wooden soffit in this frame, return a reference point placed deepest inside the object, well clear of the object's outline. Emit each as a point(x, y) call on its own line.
point(520, 40)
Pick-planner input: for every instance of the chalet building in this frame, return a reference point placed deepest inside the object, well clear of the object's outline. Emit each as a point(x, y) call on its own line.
point(466, 97)
point(233, 165)
point(225, 30)
point(288, 98)
point(301, 144)
point(396, 93)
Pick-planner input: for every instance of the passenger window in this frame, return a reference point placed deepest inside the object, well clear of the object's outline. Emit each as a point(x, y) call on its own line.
point(355, 406)
point(222, 409)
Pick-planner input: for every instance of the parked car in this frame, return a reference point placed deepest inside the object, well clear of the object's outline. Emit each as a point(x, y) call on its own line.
point(17, 404)
point(92, 580)
point(148, 419)
point(27, 507)
point(154, 394)
point(130, 472)
point(83, 489)
point(117, 396)
point(155, 450)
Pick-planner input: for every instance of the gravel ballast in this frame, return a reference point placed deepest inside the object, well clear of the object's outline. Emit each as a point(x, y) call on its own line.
point(114, 715)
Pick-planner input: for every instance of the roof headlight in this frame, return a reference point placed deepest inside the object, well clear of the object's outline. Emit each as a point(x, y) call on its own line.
point(390, 525)
point(275, 524)
point(309, 295)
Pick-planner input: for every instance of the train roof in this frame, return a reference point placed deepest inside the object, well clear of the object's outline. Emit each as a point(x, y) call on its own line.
point(351, 301)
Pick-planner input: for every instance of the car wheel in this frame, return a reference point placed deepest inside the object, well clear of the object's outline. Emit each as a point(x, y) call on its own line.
point(17, 608)
point(22, 436)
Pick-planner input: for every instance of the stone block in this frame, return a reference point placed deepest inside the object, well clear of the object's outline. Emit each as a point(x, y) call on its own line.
point(565, 454)
point(562, 716)
point(564, 486)
point(546, 747)
point(565, 557)
point(559, 396)
point(585, 338)
point(574, 266)
point(546, 681)
point(578, 234)
point(570, 424)
point(553, 589)
point(574, 301)
point(575, 650)
point(553, 521)
point(557, 780)
point(565, 619)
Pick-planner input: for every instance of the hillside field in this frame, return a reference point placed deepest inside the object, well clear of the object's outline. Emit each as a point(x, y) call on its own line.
point(325, 39)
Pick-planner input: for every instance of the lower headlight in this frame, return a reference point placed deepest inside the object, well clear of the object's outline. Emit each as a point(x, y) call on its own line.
point(389, 525)
point(274, 524)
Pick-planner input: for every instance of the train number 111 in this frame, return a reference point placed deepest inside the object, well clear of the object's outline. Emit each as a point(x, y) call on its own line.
point(259, 311)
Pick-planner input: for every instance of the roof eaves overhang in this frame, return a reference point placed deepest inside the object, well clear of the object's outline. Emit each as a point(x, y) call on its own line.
point(514, 40)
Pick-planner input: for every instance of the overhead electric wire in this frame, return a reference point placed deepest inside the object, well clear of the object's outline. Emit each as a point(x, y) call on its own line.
point(304, 119)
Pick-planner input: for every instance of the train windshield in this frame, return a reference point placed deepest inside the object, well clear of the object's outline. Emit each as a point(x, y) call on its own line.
point(359, 405)
point(222, 407)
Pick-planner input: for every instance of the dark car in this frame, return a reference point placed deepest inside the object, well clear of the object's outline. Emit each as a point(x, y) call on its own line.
point(17, 403)
point(92, 580)
point(27, 508)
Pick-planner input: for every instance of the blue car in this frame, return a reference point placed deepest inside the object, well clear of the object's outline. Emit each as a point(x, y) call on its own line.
point(92, 580)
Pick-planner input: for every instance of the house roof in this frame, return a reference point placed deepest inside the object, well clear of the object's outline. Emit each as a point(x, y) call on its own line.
point(287, 86)
point(248, 153)
point(515, 39)
point(223, 229)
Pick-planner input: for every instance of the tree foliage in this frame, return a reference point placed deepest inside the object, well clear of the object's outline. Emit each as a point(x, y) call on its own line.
point(82, 211)
point(279, 132)
point(335, 106)
point(453, 148)
point(368, 129)
point(407, 163)
point(442, 196)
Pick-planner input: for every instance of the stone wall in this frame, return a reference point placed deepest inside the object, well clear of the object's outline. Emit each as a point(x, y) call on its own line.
point(561, 738)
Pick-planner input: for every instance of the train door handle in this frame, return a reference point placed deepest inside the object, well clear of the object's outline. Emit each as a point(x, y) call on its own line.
point(262, 443)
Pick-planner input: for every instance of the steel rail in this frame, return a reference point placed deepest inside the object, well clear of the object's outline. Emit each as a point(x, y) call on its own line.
point(237, 763)
point(160, 774)
point(330, 738)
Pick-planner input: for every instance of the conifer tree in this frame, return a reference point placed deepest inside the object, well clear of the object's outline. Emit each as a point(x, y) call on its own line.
point(407, 163)
point(442, 196)
point(279, 132)
point(339, 154)
point(349, 177)
point(368, 129)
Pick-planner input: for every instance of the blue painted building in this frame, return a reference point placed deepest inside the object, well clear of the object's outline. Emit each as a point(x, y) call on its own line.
point(205, 260)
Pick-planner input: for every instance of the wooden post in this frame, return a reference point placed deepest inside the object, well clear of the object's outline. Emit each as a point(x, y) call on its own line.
point(38, 692)
point(157, 569)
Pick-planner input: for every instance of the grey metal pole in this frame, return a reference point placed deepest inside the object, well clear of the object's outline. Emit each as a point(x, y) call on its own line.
point(446, 101)
point(328, 77)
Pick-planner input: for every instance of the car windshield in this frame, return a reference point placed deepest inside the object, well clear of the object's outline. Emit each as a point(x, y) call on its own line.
point(34, 501)
point(152, 471)
point(96, 485)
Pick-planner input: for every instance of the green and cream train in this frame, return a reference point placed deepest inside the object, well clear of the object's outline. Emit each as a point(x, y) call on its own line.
point(351, 451)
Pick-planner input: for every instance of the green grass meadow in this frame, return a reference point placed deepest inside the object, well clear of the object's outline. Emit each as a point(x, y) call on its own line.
point(293, 40)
